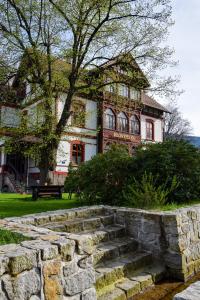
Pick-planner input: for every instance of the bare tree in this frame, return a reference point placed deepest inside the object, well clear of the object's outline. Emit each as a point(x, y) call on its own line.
point(35, 34)
point(176, 127)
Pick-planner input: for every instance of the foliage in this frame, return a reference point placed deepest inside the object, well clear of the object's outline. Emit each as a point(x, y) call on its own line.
point(146, 193)
point(166, 160)
point(8, 237)
point(101, 180)
point(168, 171)
point(43, 36)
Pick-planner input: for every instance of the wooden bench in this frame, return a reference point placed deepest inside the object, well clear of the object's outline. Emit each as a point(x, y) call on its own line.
point(47, 190)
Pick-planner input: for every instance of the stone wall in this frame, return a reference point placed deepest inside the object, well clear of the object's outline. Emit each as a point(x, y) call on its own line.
point(58, 265)
point(173, 237)
point(51, 266)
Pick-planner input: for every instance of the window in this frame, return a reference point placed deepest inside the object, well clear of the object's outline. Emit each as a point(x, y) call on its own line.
point(109, 119)
point(110, 87)
point(134, 94)
point(77, 153)
point(122, 122)
point(124, 90)
point(134, 125)
point(149, 130)
point(78, 114)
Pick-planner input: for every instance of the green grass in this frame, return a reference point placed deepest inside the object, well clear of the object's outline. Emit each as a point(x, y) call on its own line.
point(14, 205)
point(8, 237)
point(173, 206)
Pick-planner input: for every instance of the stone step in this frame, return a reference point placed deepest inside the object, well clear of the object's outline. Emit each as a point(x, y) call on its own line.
point(113, 249)
point(108, 233)
point(110, 272)
point(79, 225)
point(126, 288)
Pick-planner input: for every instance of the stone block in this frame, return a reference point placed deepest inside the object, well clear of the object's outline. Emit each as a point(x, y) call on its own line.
point(52, 273)
point(20, 258)
point(92, 224)
point(3, 264)
point(116, 294)
point(66, 248)
point(89, 294)
point(70, 268)
point(144, 280)
point(79, 282)
point(131, 288)
point(191, 293)
point(23, 286)
point(48, 251)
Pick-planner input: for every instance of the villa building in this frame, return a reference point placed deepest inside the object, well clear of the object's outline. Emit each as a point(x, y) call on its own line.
point(121, 113)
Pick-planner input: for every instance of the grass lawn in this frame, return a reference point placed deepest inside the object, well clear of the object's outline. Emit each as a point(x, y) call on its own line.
point(17, 205)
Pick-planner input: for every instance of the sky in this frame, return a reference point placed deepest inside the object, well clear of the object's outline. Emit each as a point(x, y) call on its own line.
point(185, 39)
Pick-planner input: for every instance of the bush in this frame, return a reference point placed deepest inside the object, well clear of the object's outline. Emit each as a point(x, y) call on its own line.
point(146, 193)
point(102, 179)
point(114, 177)
point(166, 160)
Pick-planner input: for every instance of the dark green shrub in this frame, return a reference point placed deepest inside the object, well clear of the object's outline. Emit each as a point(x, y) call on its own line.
point(112, 178)
point(102, 179)
point(166, 160)
point(146, 193)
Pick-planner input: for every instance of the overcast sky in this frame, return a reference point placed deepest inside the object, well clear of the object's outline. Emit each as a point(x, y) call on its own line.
point(185, 38)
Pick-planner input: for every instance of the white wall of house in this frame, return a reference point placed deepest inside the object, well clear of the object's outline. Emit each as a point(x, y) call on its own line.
point(158, 128)
point(91, 113)
point(64, 150)
point(10, 116)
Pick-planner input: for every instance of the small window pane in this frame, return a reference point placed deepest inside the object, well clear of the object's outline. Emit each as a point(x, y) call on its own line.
point(135, 94)
point(109, 119)
point(124, 90)
point(135, 125)
point(77, 153)
point(122, 122)
point(149, 130)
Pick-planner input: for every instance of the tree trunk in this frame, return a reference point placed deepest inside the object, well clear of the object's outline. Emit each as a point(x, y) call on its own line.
point(47, 162)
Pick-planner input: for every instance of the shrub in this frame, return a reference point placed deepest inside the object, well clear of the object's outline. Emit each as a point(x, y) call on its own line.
point(166, 160)
point(101, 180)
point(114, 177)
point(146, 193)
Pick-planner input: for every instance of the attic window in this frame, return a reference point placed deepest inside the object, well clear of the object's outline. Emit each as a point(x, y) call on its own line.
point(110, 87)
point(124, 90)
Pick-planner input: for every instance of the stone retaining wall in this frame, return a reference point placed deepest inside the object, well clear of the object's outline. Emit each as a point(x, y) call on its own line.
point(52, 266)
point(174, 237)
point(58, 265)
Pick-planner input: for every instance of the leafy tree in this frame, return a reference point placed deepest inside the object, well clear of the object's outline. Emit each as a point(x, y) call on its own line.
point(176, 127)
point(166, 160)
point(36, 36)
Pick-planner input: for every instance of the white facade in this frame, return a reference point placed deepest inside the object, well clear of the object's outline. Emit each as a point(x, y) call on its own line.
point(158, 128)
point(86, 135)
point(10, 116)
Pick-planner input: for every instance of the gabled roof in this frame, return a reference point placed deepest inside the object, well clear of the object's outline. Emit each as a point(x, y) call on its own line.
point(126, 59)
point(149, 101)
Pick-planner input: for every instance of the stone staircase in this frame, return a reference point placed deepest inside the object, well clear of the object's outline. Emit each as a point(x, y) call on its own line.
point(122, 269)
